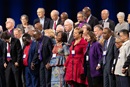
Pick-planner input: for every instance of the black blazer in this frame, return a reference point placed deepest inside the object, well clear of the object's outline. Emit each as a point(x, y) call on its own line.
point(51, 23)
point(47, 47)
point(93, 21)
point(111, 24)
point(46, 22)
point(15, 51)
point(1, 52)
point(71, 39)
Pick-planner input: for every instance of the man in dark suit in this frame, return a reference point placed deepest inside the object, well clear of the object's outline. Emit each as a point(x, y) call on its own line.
point(2, 75)
point(55, 19)
point(12, 60)
point(106, 22)
point(28, 54)
point(90, 19)
point(109, 50)
point(10, 23)
point(43, 54)
point(69, 28)
point(43, 20)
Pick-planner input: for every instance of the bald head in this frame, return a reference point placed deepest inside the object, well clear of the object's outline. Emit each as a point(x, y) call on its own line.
point(87, 11)
point(104, 14)
point(63, 16)
point(40, 12)
point(54, 15)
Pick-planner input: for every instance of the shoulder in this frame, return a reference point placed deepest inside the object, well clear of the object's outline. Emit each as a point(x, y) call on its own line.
point(47, 19)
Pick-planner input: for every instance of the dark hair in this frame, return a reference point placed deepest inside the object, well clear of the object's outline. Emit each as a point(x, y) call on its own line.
point(5, 35)
point(125, 32)
point(63, 36)
point(108, 29)
point(92, 36)
point(26, 17)
point(26, 36)
point(88, 27)
point(79, 29)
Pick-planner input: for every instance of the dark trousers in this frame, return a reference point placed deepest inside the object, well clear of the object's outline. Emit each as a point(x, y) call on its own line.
point(2, 76)
point(122, 81)
point(13, 72)
point(94, 81)
point(108, 79)
point(45, 76)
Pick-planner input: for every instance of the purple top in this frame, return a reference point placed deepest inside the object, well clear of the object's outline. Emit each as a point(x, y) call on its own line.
point(95, 55)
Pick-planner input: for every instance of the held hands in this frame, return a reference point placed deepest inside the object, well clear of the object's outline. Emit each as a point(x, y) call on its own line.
point(32, 66)
point(98, 67)
point(48, 66)
point(16, 64)
point(124, 70)
point(5, 65)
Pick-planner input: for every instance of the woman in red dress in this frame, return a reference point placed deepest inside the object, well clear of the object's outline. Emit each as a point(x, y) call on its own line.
point(75, 61)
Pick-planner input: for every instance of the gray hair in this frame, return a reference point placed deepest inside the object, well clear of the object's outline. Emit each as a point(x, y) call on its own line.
point(69, 21)
point(122, 14)
point(61, 27)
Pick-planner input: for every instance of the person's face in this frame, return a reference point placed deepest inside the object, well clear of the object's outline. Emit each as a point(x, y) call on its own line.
point(54, 16)
point(9, 24)
point(88, 38)
point(62, 18)
point(86, 12)
point(128, 19)
point(120, 19)
point(17, 34)
point(76, 34)
point(37, 37)
point(24, 20)
point(67, 26)
point(106, 34)
point(85, 31)
point(7, 40)
point(122, 37)
point(40, 13)
point(58, 37)
point(104, 15)
point(118, 43)
point(80, 17)
point(38, 26)
point(97, 32)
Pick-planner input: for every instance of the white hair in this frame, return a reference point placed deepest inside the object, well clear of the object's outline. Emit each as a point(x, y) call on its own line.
point(11, 20)
point(55, 12)
point(122, 14)
point(61, 27)
point(69, 21)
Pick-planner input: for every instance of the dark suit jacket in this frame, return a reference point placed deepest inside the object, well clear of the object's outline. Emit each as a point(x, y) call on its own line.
point(51, 23)
point(71, 38)
point(47, 47)
point(46, 22)
point(111, 24)
point(15, 51)
point(93, 21)
point(110, 55)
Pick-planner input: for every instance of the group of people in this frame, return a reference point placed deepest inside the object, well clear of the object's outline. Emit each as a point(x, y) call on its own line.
point(57, 52)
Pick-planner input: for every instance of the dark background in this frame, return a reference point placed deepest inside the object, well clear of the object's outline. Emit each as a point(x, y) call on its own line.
point(15, 8)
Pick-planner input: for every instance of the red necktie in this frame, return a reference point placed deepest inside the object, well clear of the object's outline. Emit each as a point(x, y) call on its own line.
point(8, 51)
point(54, 25)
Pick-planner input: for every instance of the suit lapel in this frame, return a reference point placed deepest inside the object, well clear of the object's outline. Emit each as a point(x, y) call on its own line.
point(110, 44)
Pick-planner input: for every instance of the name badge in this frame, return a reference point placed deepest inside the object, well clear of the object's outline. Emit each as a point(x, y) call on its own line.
point(104, 53)
point(114, 61)
point(73, 52)
point(24, 55)
point(8, 55)
point(54, 55)
point(87, 58)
